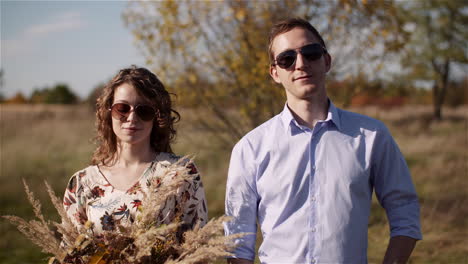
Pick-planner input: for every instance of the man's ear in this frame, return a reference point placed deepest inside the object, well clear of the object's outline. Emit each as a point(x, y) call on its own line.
point(274, 74)
point(328, 60)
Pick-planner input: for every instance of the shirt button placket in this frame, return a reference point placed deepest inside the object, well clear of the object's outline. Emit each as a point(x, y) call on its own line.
point(312, 198)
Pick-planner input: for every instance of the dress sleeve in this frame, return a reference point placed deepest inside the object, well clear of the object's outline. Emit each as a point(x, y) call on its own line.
point(394, 188)
point(73, 200)
point(242, 200)
point(193, 197)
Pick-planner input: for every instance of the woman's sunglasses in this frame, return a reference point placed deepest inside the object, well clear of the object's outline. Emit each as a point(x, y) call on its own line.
point(310, 52)
point(122, 110)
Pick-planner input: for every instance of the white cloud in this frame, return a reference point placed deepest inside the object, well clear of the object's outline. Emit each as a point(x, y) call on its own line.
point(28, 39)
point(63, 22)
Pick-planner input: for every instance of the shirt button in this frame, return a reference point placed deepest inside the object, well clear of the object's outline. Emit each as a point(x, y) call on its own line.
point(313, 198)
point(313, 261)
point(314, 229)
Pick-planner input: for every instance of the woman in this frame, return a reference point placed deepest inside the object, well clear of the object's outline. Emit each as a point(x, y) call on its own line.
point(135, 124)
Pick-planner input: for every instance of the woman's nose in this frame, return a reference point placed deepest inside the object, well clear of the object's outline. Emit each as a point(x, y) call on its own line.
point(131, 115)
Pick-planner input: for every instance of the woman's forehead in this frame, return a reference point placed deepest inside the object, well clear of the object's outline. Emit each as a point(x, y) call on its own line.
point(128, 93)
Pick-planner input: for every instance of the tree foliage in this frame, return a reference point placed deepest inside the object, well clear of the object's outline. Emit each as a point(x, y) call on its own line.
point(91, 100)
point(2, 97)
point(457, 92)
point(437, 37)
point(59, 94)
point(18, 98)
point(214, 53)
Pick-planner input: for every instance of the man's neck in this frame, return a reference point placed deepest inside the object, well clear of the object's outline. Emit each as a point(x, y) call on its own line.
point(308, 112)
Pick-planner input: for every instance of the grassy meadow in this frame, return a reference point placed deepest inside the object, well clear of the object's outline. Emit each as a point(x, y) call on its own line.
point(52, 142)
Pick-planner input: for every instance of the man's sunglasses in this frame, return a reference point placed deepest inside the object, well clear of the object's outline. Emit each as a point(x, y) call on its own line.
point(310, 52)
point(122, 110)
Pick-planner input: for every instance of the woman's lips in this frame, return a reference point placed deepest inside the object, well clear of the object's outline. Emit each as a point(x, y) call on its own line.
point(131, 129)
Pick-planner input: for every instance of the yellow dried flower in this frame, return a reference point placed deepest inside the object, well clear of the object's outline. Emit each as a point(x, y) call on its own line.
point(52, 260)
point(89, 225)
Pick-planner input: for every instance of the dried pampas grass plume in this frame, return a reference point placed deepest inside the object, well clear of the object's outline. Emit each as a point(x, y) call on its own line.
point(204, 244)
point(148, 240)
point(40, 231)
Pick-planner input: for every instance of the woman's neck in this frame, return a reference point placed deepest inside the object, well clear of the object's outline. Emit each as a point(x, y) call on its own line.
point(129, 155)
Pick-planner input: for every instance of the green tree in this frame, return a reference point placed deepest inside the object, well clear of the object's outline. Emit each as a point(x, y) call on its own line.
point(94, 94)
point(1, 78)
point(59, 94)
point(2, 97)
point(214, 53)
point(437, 43)
point(39, 96)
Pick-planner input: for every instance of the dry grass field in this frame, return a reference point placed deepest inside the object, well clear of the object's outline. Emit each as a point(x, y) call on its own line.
point(52, 142)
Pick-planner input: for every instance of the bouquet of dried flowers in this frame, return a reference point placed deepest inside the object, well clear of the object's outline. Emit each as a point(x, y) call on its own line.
point(147, 240)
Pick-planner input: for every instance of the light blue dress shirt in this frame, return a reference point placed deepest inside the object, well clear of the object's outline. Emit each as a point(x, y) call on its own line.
point(311, 189)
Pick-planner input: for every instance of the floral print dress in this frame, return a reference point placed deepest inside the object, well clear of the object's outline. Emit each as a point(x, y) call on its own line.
point(90, 197)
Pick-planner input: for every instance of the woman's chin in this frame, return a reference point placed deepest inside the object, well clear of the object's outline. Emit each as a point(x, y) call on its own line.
point(129, 140)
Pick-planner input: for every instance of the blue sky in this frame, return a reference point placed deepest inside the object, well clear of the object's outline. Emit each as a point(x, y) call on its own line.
point(80, 43)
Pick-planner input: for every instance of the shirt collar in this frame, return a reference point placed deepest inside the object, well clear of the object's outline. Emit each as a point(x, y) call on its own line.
point(333, 115)
point(288, 119)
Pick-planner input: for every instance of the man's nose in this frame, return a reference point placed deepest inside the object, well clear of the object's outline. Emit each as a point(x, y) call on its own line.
point(300, 61)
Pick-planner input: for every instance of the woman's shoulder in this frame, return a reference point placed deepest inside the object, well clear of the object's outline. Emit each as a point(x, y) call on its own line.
point(165, 160)
point(171, 158)
point(86, 174)
point(85, 171)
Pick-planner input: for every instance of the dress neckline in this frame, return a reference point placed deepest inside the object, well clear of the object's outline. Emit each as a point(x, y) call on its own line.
point(137, 181)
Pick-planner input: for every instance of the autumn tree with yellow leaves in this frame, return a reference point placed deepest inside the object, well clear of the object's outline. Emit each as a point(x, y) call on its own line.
point(213, 54)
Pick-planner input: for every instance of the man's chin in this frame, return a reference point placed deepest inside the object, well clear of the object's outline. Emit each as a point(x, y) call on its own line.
point(306, 92)
point(309, 90)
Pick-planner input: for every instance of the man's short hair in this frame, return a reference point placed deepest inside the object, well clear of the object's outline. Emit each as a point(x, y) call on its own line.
point(287, 25)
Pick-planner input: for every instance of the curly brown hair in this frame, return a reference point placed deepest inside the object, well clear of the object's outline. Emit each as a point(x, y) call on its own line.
point(151, 88)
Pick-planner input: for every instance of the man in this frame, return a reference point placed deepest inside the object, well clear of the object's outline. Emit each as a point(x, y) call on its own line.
point(307, 175)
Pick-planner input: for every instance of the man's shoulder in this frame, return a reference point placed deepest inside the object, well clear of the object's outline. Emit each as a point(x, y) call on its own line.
point(259, 135)
point(265, 126)
point(351, 120)
point(264, 129)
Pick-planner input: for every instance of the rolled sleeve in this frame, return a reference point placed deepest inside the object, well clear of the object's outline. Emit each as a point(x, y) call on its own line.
point(242, 201)
point(404, 220)
point(394, 188)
